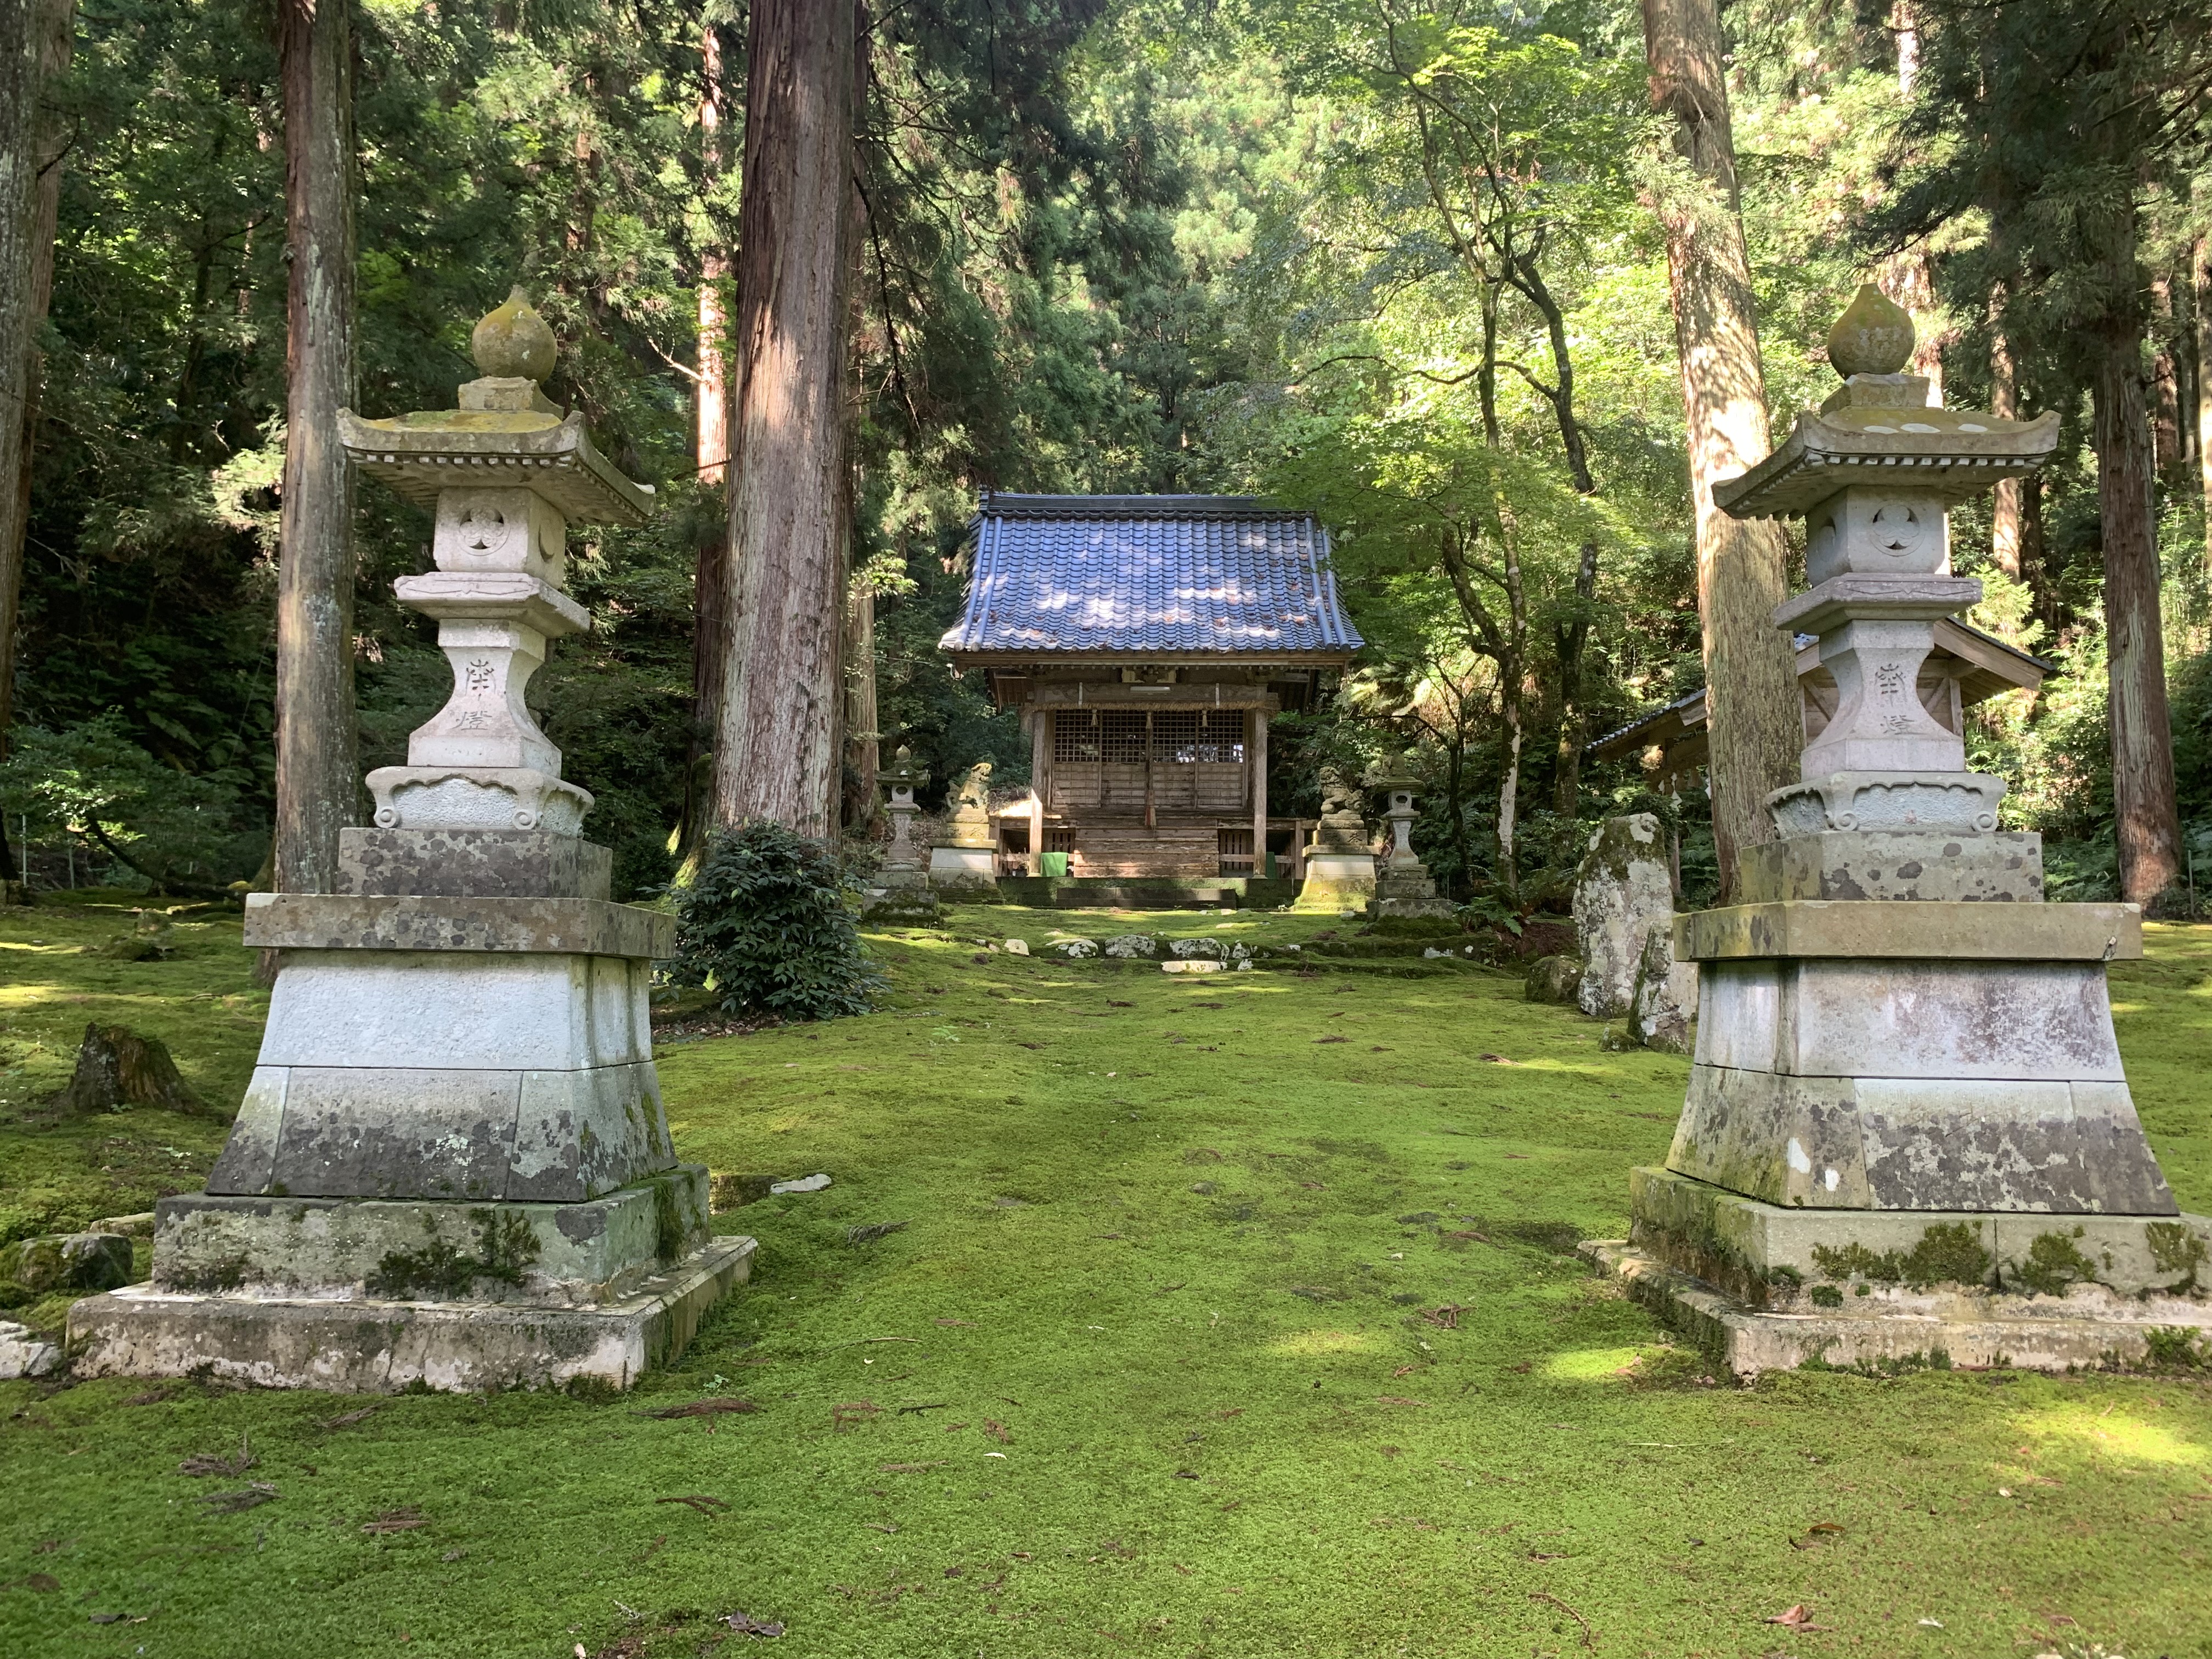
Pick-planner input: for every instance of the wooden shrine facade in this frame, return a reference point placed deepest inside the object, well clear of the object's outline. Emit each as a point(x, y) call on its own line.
point(1146, 641)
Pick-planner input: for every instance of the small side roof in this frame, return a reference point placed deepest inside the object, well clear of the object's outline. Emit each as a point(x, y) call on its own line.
point(1207, 577)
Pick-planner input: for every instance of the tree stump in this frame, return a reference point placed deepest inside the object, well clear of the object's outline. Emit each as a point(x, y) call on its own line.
point(117, 1067)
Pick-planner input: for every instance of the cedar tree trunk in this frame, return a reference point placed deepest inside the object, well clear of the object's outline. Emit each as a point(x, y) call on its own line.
point(776, 751)
point(1757, 730)
point(2146, 817)
point(35, 36)
point(2202, 262)
point(863, 741)
point(317, 771)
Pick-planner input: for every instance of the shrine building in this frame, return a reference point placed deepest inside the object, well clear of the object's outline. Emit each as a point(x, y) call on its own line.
point(1145, 640)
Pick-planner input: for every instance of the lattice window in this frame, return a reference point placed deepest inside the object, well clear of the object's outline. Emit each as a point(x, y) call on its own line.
point(1121, 736)
point(1075, 734)
point(1221, 736)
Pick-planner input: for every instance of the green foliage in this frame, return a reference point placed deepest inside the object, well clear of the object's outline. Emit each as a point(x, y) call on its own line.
point(763, 925)
point(179, 831)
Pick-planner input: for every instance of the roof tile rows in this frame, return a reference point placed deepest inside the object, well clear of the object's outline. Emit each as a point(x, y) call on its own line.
point(1162, 573)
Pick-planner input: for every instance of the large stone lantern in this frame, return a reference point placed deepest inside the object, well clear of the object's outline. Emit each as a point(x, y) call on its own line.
point(1403, 886)
point(451, 1166)
point(1908, 1133)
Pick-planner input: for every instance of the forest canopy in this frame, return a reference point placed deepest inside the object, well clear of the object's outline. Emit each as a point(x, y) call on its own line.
point(1402, 266)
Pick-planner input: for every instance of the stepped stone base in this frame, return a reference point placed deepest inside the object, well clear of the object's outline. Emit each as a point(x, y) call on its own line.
point(542, 1254)
point(1785, 1257)
point(370, 1347)
point(1337, 882)
point(2088, 1329)
point(969, 874)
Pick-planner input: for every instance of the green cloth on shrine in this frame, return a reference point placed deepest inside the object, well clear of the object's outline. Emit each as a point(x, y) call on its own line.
point(1052, 864)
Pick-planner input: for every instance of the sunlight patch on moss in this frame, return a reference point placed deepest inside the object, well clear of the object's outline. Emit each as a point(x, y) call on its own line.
point(1591, 1364)
point(2111, 1433)
point(1315, 1344)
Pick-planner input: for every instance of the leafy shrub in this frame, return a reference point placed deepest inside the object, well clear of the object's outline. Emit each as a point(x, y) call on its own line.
point(763, 925)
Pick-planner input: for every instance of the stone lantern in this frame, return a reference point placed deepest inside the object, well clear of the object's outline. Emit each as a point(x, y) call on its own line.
point(1908, 1134)
point(902, 893)
point(1403, 886)
point(451, 1166)
point(903, 866)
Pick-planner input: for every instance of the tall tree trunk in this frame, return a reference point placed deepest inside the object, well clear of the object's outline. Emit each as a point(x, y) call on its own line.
point(2166, 445)
point(2202, 272)
point(863, 739)
point(2147, 818)
point(714, 439)
point(1571, 637)
point(2004, 403)
point(35, 38)
point(1756, 728)
point(317, 769)
point(775, 753)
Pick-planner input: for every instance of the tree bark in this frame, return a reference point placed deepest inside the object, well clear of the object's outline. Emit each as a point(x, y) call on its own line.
point(35, 39)
point(317, 770)
point(2004, 403)
point(863, 739)
point(2201, 263)
point(2146, 818)
point(776, 755)
point(713, 438)
point(1756, 728)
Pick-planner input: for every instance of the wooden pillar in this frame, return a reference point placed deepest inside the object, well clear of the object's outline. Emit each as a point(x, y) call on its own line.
point(1255, 767)
point(1040, 782)
point(1151, 820)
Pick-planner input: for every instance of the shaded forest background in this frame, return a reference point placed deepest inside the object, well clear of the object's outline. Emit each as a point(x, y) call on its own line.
point(1135, 247)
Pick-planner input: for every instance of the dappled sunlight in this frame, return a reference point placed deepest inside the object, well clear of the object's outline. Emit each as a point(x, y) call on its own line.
point(2079, 1426)
point(1592, 1364)
point(1315, 1344)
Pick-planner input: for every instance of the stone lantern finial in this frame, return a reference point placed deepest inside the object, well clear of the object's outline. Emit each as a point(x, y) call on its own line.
point(512, 342)
point(1874, 336)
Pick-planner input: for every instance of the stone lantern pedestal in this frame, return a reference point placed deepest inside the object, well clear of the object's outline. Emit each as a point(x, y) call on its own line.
point(1339, 865)
point(965, 864)
point(1908, 1136)
point(451, 1166)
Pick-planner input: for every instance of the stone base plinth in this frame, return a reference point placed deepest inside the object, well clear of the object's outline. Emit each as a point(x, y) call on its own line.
point(1999, 867)
point(369, 1346)
point(907, 906)
point(1337, 882)
point(964, 873)
point(1778, 1256)
point(2088, 1329)
point(546, 1255)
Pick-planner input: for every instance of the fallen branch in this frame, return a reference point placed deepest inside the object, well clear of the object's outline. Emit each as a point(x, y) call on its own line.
point(705, 1506)
point(1590, 1636)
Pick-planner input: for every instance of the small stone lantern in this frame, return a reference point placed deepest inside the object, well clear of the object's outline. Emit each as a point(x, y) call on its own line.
point(1403, 886)
point(902, 863)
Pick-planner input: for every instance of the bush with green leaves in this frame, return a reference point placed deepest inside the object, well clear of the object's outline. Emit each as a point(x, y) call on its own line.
point(182, 832)
point(763, 925)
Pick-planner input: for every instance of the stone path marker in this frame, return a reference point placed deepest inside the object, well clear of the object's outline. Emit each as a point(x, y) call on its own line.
point(1908, 1131)
point(452, 1165)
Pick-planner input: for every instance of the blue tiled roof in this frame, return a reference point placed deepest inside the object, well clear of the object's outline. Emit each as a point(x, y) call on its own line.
point(1149, 573)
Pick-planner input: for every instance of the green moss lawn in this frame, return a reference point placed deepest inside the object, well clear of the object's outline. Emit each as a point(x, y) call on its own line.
point(1231, 1314)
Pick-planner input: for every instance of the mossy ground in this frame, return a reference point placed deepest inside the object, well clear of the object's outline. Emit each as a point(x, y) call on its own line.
point(1204, 1353)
